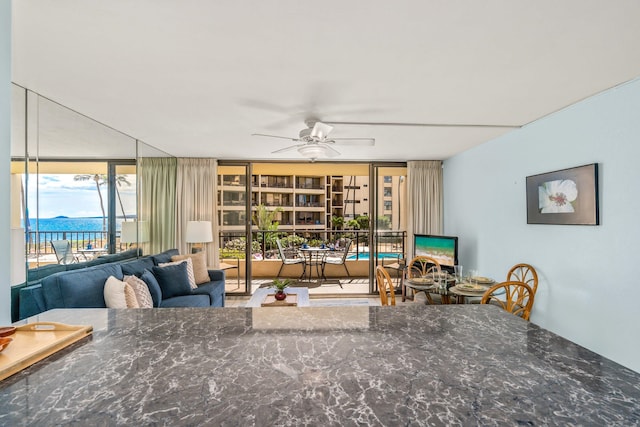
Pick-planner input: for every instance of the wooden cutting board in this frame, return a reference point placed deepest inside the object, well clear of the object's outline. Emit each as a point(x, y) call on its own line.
point(35, 341)
point(271, 301)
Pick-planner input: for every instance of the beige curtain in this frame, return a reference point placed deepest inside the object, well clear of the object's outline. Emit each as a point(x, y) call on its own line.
point(157, 188)
point(196, 201)
point(424, 204)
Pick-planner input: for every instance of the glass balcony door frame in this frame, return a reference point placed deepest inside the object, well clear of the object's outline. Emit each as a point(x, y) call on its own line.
point(375, 175)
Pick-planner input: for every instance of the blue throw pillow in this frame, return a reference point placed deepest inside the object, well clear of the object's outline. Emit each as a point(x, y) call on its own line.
point(154, 287)
point(173, 280)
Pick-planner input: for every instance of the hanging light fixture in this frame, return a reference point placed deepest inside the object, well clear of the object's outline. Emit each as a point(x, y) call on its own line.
point(316, 151)
point(312, 151)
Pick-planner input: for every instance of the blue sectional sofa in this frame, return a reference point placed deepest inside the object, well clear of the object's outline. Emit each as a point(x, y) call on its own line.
point(84, 288)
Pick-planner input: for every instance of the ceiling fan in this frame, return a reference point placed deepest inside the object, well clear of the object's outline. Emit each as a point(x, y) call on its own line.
point(315, 141)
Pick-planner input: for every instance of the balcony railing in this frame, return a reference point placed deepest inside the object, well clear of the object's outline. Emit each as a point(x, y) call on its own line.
point(39, 243)
point(233, 244)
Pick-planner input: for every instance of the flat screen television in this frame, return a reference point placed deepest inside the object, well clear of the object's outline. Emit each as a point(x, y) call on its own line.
point(442, 248)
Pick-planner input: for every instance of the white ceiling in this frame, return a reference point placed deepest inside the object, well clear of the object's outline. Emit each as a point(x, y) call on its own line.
point(196, 78)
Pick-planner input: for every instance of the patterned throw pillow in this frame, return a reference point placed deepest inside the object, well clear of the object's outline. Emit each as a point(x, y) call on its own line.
point(141, 290)
point(192, 278)
point(118, 294)
point(200, 270)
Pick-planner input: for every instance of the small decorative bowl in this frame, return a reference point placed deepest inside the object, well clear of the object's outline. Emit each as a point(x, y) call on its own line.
point(5, 331)
point(4, 342)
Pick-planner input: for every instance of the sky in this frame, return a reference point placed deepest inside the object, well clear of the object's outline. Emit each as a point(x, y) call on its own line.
point(60, 195)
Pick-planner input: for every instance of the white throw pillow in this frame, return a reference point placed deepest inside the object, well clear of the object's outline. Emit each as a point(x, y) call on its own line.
point(141, 291)
point(191, 276)
point(118, 294)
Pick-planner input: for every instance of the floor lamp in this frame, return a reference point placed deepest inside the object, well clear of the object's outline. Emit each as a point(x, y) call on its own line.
point(198, 233)
point(134, 232)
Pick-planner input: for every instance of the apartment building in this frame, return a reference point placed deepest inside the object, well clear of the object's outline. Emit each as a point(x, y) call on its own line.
point(308, 202)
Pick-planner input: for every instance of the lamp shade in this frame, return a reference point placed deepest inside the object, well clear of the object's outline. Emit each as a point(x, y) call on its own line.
point(134, 232)
point(199, 232)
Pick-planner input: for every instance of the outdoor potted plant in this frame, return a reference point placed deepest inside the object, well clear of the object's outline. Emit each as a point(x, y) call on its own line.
point(280, 285)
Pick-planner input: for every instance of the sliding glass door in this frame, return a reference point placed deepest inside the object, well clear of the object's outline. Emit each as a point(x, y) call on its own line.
point(388, 204)
point(234, 225)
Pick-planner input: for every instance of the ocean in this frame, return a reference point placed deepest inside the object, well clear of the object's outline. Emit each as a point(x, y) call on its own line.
point(69, 224)
point(89, 228)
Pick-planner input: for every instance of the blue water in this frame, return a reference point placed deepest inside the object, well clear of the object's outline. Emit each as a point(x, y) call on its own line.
point(49, 226)
point(381, 255)
point(69, 224)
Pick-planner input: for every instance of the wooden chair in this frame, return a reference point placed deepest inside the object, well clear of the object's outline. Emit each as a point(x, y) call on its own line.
point(516, 298)
point(398, 265)
point(524, 273)
point(385, 285)
point(418, 267)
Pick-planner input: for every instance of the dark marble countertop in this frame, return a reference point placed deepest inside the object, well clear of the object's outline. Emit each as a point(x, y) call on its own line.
point(318, 366)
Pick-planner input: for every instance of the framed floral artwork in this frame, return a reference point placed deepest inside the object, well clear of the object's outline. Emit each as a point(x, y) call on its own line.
point(567, 196)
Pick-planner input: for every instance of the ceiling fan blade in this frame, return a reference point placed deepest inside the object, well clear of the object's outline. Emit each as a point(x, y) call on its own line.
point(321, 130)
point(363, 142)
point(289, 148)
point(276, 136)
point(445, 125)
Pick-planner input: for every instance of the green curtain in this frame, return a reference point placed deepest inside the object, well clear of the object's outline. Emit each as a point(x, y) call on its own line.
point(157, 192)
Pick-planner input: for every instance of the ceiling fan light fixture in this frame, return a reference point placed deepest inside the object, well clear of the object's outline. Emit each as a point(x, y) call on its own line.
point(312, 151)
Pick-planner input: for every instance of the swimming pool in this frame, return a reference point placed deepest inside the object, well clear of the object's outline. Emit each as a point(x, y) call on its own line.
point(381, 255)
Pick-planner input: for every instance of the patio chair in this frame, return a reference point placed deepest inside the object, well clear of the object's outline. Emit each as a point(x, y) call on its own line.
point(338, 259)
point(63, 252)
point(289, 258)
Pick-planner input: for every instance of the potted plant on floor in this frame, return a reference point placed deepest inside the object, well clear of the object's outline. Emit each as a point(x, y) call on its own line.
point(280, 285)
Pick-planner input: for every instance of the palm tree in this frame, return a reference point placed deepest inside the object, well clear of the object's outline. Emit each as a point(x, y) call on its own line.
point(120, 180)
point(99, 179)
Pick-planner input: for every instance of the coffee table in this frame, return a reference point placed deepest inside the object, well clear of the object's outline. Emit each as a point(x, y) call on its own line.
point(261, 293)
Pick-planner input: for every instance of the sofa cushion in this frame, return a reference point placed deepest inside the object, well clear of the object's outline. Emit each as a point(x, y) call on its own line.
point(215, 290)
point(199, 260)
point(154, 287)
point(121, 256)
point(119, 294)
point(173, 280)
point(79, 288)
point(31, 300)
point(137, 267)
point(140, 288)
point(190, 275)
point(164, 256)
point(34, 274)
point(187, 301)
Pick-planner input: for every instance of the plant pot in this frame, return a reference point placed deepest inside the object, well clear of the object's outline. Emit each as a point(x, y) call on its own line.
point(280, 296)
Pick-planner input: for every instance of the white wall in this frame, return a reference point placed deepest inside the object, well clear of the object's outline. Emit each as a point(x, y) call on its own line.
point(589, 275)
point(5, 125)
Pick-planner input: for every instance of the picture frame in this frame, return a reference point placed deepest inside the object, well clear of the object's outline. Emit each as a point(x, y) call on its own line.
point(567, 196)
